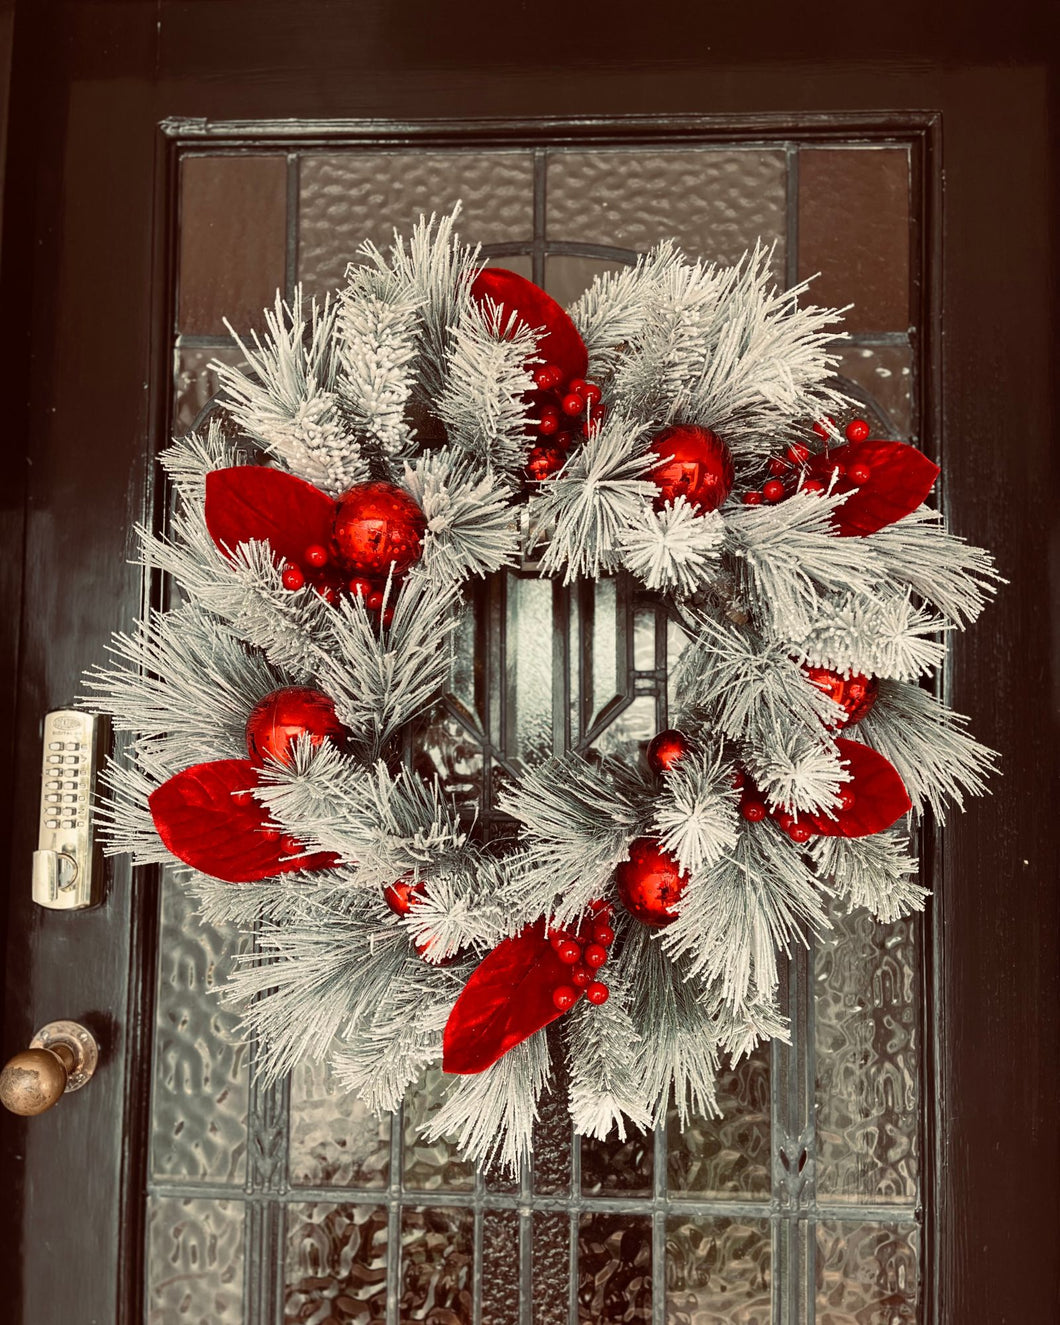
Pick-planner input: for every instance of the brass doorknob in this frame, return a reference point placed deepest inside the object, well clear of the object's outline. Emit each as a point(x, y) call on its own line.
point(61, 1057)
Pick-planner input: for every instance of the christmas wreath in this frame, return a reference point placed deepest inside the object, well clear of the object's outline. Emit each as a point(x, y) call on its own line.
point(437, 421)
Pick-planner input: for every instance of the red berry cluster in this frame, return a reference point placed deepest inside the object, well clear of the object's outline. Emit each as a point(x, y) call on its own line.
point(798, 461)
point(558, 411)
point(320, 569)
point(754, 809)
point(584, 950)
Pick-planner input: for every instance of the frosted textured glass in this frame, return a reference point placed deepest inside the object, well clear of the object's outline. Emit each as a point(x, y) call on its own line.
point(347, 197)
point(334, 1140)
point(199, 1095)
point(614, 1269)
point(195, 383)
point(553, 1141)
point(431, 1165)
point(728, 1156)
point(886, 373)
point(718, 1271)
point(194, 1261)
point(854, 232)
point(631, 729)
point(714, 202)
point(567, 278)
point(529, 668)
point(551, 1273)
point(867, 1043)
point(500, 1267)
point(335, 1268)
point(612, 1166)
point(436, 1266)
point(867, 1274)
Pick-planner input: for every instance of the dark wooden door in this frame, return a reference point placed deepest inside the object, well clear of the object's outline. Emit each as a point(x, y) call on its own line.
point(104, 99)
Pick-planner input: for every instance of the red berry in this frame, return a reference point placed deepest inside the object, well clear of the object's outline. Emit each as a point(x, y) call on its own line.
point(857, 430)
point(581, 976)
point(799, 832)
point(777, 466)
point(548, 424)
point(753, 811)
point(813, 485)
point(846, 798)
point(600, 907)
point(360, 588)
point(573, 404)
point(329, 594)
point(752, 499)
point(859, 474)
point(292, 577)
point(773, 490)
point(547, 377)
point(290, 846)
point(576, 386)
point(374, 601)
point(595, 955)
point(568, 951)
point(599, 413)
point(591, 393)
point(603, 934)
point(388, 616)
point(798, 454)
point(739, 777)
point(564, 997)
point(316, 555)
point(271, 834)
point(823, 426)
point(597, 993)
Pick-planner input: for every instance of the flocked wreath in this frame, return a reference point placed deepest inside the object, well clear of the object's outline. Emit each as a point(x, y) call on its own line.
point(436, 421)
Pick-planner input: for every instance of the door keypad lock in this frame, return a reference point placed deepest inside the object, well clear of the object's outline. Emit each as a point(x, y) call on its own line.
point(66, 865)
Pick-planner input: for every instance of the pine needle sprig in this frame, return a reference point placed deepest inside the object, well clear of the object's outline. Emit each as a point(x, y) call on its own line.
point(695, 812)
point(577, 823)
point(676, 1049)
point(733, 920)
point(585, 508)
point(606, 1090)
point(472, 525)
point(886, 634)
point(483, 402)
point(790, 555)
point(675, 548)
point(942, 568)
point(492, 1113)
point(288, 400)
point(926, 741)
point(876, 872)
point(376, 329)
point(434, 271)
point(382, 676)
point(185, 680)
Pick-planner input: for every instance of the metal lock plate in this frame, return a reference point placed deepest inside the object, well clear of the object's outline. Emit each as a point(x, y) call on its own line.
point(66, 866)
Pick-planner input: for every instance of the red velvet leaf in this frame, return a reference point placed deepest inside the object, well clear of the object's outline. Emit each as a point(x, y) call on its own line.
point(880, 797)
point(256, 502)
point(207, 818)
point(900, 478)
point(506, 999)
point(560, 343)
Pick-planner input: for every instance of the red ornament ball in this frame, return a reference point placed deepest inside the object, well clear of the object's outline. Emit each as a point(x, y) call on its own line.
point(855, 694)
point(278, 720)
point(401, 896)
point(695, 464)
point(544, 461)
point(650, 883)
point(665, 749)
point(379, 526)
